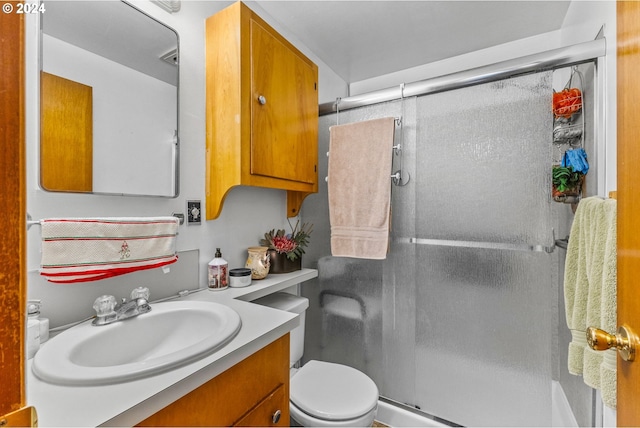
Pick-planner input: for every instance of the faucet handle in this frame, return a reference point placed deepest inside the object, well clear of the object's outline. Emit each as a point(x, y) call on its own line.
point(140, 292)
point(104, 305)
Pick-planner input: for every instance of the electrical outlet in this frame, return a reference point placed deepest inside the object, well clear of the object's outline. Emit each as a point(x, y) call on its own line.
point(194, 213)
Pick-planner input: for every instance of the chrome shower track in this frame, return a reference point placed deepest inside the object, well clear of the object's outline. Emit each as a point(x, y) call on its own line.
point(548, 60)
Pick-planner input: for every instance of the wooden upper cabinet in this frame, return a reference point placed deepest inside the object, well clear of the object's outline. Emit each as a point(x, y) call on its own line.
point(261, 110)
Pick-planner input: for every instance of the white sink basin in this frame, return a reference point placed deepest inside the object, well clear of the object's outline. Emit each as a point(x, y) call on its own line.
point(172, 334)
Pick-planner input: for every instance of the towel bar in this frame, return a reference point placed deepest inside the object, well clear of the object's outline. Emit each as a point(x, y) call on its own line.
point(31, 222)
point(396, 148)
point(479, 244)
point(400, 177)
point(396, 177)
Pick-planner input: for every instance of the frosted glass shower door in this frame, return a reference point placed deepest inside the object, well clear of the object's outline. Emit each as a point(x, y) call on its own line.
point(484, 301)
point(457, 321)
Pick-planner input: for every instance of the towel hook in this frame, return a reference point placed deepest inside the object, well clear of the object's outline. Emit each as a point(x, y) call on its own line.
point(31, 222)
point(400, 178)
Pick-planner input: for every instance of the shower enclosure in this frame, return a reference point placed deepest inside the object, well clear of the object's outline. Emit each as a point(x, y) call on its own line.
point(461, 321)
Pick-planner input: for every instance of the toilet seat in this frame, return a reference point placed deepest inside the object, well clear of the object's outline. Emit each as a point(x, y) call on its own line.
point(333, 392)
point(300, 418)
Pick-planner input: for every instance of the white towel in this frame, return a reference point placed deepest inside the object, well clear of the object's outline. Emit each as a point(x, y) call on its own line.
point(590, 290)
point(608, 380)
point(89, 249)
point(359, 188)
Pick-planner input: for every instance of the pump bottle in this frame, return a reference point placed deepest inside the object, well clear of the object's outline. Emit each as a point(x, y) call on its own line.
point(218, 272)
point(33, 313)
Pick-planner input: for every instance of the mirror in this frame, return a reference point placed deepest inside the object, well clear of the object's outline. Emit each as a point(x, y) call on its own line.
point(109, 100)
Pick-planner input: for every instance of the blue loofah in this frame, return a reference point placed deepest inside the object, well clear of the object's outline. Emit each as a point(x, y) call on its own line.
point(577, 160)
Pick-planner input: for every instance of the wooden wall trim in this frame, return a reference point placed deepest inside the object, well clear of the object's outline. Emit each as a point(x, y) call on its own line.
point(13, 208)
point(628, 130)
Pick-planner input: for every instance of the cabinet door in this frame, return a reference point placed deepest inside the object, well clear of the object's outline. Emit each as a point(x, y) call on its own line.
point(66, 138)
point(284, 110)
point(269, 413)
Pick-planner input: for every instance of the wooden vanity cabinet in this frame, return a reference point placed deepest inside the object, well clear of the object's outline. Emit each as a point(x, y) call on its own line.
point(254, 392)
point(261, 110)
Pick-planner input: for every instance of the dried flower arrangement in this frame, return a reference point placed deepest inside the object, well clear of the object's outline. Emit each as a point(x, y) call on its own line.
point(292, 244)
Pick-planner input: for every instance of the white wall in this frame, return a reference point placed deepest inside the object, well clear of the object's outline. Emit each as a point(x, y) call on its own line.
point(583, 22)
point(247, 214)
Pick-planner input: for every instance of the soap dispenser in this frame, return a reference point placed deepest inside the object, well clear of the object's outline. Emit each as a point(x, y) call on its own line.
point(33, 312)
point(218, 272)
point(33, 330)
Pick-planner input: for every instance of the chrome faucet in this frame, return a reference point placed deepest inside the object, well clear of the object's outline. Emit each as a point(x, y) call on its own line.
point(108, 310)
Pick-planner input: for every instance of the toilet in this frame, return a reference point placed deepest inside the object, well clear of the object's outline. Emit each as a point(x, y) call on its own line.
point(323, 394)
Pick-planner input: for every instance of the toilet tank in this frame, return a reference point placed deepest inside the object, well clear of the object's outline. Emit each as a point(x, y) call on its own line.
point(290, 303)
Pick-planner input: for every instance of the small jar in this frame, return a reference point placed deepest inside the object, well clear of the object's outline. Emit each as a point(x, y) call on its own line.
point(240, 277)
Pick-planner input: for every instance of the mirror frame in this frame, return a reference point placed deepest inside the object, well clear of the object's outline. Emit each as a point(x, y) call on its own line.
point(176, 141)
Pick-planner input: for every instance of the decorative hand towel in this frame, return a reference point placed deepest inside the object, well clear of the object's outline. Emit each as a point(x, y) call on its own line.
point(576, 283)
point(359, 188)
point(89, 249)
point(590, 289)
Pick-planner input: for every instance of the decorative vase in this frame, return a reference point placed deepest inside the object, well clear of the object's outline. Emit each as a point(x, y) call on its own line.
point(258, 262)
point(281, 264)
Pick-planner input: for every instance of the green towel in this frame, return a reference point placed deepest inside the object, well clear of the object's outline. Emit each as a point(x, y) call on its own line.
point(590, 290)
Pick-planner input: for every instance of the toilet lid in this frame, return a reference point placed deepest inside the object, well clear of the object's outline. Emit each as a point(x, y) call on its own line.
point(333, 391)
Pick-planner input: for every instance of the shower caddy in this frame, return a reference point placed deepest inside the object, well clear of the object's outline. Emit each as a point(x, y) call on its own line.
point(568, 134)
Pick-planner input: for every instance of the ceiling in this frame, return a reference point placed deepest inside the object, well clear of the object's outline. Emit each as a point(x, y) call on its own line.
point(363, 39)
point(357, 39)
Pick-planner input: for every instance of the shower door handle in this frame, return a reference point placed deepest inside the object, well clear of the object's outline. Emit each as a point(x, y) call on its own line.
point(625, 341)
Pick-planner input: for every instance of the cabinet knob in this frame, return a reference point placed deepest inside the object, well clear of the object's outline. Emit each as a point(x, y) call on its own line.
point(276, 416)
point(262, 100)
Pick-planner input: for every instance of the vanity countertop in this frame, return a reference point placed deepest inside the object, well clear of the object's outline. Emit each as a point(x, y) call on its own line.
point(127, 403)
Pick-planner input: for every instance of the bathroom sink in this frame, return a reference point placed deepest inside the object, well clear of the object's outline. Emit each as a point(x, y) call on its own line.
point(170, 335)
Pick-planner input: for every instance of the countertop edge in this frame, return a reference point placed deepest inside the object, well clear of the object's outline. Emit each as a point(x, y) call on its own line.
point(61, 410)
